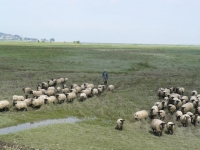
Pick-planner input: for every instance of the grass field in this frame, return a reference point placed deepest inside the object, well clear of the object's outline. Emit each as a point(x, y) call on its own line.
point(137, 71)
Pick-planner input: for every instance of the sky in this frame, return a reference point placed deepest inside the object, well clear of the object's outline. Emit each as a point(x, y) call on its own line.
point(104, 21)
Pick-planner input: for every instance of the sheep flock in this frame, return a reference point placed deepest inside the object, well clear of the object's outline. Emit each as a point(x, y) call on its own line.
point(172, 103)
point(54, 91)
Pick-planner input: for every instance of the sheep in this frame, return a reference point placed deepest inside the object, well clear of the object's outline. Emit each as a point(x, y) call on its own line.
point(194, 93)
point(171, 109)
point(178, 104)
point(87, 85)
point(161, 93)
point(180, 90)
point(166, 91)
point(95, 91)
point(50, 93)
point(36, 93)
point(197, 110)
point(58, 89)
point(51, 82)
point(70, 96)
point(51, 88)
point(185, 119)
point(193, 98)
point(111, 88)
point(28, 101)
point(61, 98)
point(18, 98)
point(170, 127)
point(74, 86)
point(20, 105)
point(51, 99)
point(78, 89)
point(65, 90)
point(87, 91)
point(37, 102)
point(26, 91)
point(159, 104)
point(83, 96)
point(195, 119)
point(158, 126)
point(44, 85)
point(153, 112)
point(164, 104)
point(142, 114)
point(190, 114)
point(184, 99)
point(4, 105)
point(186, 107)
point(178, 115)
point(161, 114)
point(119, 125)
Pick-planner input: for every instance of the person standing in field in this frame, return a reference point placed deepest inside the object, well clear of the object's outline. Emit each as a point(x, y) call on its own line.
point(105, 76)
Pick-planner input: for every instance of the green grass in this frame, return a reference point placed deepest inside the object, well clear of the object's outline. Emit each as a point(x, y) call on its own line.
point(137, 71)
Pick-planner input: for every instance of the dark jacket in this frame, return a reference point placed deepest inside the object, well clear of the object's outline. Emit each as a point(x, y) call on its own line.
point(105, 75)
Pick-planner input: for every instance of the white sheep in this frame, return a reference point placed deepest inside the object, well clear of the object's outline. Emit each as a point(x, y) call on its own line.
point(70, 96)
point(178, 104)
point(153, 112)
point(61, 98)
point(184, 99)
point(44, 85)
point(83, 96)
point(197, 111)
point(95, 91)
point(28, 101)
point(187, 107)
point(51, 88)
point(185, 119)
point(37, 103)
point(4, 105)
point(119, 125)
point(178, 115)
point(18, 98)
point(159, 104)
point(51, 82)
point(170, 127)
point(26, 91)
point(49, 100)
point(50, 92)
point(194, 93)
point(158, 126)
point(171, 109)
point(161, 114)
point(142, 114)
point(195, 119)
point(193, 98)
point(87, 91)
point(20, 105)
point(111, 88)
point(87, 85)
point(36, 93)
point(65, 90)
point(190, 114)
point(74, 86)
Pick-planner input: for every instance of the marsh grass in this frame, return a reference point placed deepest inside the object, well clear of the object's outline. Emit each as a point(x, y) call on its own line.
point(137, 71)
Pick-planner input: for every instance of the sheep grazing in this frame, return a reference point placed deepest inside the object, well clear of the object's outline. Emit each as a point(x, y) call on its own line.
point(61, 98)
point(178, 104)
point(73, 86)
point(111, 88)
point(193, 98)
point(20, 105)
point(184, 99)
point(51, 88)
point(161, 93)
point(26, 91)
point(49, 100)
point(158, 126)
point(4, 105)
point(159, 104)
point(50, 92)
point(139, 115)
point(87, 91)
point(178, 115)
point(44, 85)
point(87, 85)
point(51, 82)
point(119, 125)
point(153, 112)
point(83, 96)
point(161, 114)
point(170, 127)
point(95, 91)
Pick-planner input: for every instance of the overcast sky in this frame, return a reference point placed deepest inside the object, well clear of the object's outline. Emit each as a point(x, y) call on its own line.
point(104, 21)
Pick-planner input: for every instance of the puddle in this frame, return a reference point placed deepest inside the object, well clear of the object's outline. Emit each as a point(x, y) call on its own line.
point(31, 125)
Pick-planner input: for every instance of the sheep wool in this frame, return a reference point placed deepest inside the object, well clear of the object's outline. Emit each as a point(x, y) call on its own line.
point(178, 115)
point(20, 105)
point(139, 115)
point(170, 127)
point(157, 126)
point(111, 88)
point(185, 119)
point(4, 105)
point(161, 114)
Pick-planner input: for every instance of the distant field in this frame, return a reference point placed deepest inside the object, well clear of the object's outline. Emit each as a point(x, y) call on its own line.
point(137, 71)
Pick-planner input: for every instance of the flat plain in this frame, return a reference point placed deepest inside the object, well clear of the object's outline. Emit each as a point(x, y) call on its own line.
point(136, 71)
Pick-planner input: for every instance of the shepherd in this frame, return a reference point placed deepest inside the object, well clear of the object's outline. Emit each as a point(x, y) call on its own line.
point(105, 76)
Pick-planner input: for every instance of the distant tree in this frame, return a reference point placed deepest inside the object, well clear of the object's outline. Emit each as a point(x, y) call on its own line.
point(52, 40)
